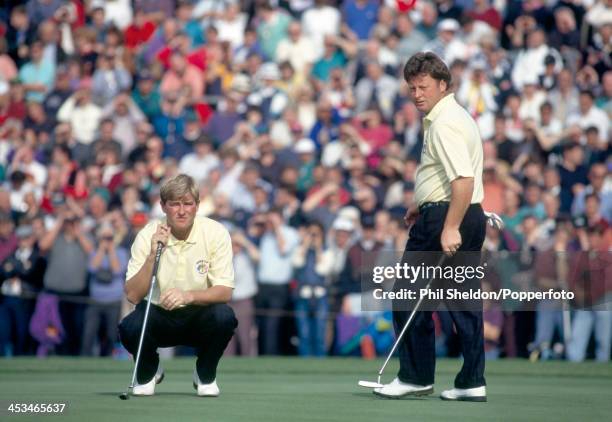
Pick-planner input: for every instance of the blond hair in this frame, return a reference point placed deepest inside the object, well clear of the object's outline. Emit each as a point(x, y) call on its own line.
point(177, 187)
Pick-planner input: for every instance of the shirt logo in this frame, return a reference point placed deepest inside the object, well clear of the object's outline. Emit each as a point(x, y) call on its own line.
point(202, 267)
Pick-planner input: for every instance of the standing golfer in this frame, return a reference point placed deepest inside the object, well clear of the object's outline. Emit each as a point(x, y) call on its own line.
point(195, 282)
point(446, 217)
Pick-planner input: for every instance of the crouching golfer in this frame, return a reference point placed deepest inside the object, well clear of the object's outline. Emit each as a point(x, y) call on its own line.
point(195, 282)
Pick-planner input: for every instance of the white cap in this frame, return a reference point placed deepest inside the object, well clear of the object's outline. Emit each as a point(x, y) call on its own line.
point(448, 25)
point(269, 71)
point(349, 213)
point(304, 146)
point(343, 224)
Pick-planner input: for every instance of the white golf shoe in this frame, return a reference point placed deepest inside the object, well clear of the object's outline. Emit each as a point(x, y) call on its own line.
point(148, 389)
point(397, 389)
point(465, 394)
point(205, 390)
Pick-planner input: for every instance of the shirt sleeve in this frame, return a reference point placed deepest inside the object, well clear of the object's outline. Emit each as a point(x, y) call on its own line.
point(450, 146)
point(139, 252)
point(221, 271)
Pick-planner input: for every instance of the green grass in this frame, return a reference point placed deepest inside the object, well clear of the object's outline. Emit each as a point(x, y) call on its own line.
point(292, 389)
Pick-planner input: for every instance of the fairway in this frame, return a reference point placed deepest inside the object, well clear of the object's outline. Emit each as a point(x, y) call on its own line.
point(293, 389)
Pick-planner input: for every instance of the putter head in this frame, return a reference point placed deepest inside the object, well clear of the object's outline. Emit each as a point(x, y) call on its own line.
point(124, 396)
point(370, 384)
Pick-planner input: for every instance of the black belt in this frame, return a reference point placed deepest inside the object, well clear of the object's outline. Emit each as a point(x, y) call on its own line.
point(426, 205)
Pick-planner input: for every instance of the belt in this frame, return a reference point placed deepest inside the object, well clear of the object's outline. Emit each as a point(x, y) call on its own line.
point(426, 205)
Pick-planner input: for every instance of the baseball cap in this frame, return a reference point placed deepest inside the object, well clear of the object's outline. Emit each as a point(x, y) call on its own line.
point(343, 224)
point(448, 25)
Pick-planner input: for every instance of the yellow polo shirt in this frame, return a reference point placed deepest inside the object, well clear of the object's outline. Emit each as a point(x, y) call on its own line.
point(201, 261)
point(452, 148)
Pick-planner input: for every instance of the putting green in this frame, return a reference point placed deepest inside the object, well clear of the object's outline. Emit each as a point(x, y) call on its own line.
point(293, 389)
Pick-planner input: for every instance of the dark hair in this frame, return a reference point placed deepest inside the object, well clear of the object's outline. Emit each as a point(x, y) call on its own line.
point(428, 64)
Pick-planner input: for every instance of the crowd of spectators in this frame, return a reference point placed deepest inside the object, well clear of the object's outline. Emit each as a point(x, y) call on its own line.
point(294, 119)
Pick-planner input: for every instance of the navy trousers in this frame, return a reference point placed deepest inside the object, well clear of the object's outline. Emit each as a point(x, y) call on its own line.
point(206, 328)
point(417, 349)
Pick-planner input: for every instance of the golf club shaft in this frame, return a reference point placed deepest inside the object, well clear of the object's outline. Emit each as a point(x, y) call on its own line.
point(407, 324)
point(158, 252)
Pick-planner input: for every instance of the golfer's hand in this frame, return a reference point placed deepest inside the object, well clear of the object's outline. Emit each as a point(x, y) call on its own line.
point(411, 215)
point(450, 241)
point(174, 298)
point(161, 235)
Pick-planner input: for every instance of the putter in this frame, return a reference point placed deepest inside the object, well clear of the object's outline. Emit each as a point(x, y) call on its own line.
point(377, 384)
point(494, 221)
point(126, 394)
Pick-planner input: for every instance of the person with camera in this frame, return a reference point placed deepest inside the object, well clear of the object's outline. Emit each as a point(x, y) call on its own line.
point(106, 267)
point(311, 299)
point(67, 246)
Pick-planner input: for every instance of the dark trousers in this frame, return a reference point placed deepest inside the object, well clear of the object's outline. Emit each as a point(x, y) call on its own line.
point(14, 318)
point(72, 315)
point(100, 315)
point(417, 349)
point(206, 328)
point(273, 300)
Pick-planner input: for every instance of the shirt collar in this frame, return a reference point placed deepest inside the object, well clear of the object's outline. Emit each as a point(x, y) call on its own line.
point(191, 239)
point(438, 108)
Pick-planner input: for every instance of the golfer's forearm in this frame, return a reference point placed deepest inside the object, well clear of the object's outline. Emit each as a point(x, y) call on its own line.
point(461, 196)
point(215, 294)
point(136, 288)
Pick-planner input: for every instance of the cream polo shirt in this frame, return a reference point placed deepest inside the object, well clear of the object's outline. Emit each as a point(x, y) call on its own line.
point(452, 148)
point(201, 261)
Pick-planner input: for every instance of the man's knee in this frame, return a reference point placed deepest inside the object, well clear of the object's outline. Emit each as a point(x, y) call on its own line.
point(224, 319)
point(129, 328)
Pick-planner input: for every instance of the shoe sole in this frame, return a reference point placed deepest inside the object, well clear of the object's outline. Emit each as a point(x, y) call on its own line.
point(418, 393)
point(479, 399)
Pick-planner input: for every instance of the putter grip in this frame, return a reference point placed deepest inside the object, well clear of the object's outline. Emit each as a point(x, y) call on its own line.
point(158, 252)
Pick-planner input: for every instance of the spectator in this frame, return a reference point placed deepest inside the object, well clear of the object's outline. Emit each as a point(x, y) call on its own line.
point(22, 274)
point(597, 177)
point(564, 96)
point(591, 291)
point(378, 89)
point(448, 44)
point(589, 115)
point(109, 79)
point(246, 257)
point(272, 28)
point(320, 21)
point(298, 49)
point(82, 114)
point(573, 174)
point(277, 245)
point(68, 247)
point(530, 60)
point(182, 77)
point(37, 75)
point(311, 291)
point(360, 16)
point(107, 265)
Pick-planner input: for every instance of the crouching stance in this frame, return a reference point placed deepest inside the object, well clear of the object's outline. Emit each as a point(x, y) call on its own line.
point(195, 281)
